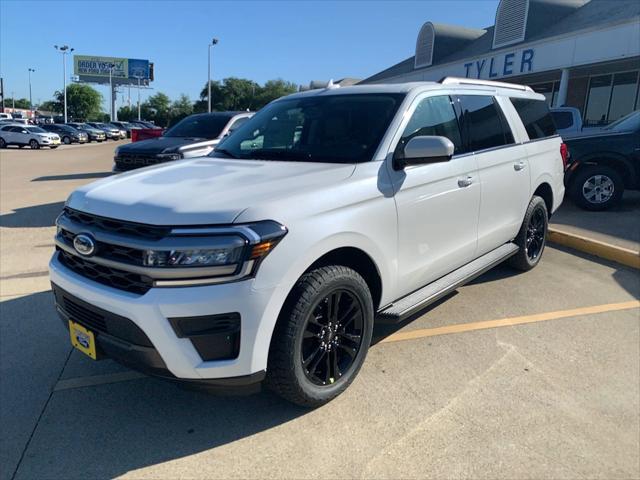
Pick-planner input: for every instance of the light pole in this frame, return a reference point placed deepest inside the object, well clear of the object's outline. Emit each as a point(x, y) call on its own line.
point(139, 77)
point(13, 100)
point(30, 100)
point(64, 50)
point(213, 42)
point(111, 65)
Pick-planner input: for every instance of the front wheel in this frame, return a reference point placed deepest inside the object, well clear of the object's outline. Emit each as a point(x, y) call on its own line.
point(532, 236)
point(322, 336)
point(66, 140)
point(3, 144)
point(34, 145)
point(596, 187)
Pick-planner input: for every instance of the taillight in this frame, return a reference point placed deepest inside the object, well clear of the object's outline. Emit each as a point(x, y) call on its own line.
point(564, 153)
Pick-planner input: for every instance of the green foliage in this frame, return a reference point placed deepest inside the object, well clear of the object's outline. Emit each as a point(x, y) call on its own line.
point(19, 103)
point(83, 102)
point(127, 113)
point(180, 108)
point(50, 106)
point(156, 108)
point(242, 94)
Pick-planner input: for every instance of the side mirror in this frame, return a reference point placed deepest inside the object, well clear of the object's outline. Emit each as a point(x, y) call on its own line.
point(424, 149)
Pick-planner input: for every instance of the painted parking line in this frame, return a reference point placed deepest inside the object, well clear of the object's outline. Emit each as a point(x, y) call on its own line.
point(95, 380)
point(508, 322)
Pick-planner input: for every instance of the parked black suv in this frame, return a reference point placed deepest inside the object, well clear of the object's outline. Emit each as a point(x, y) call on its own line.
point(603, 164)
point(193, 136)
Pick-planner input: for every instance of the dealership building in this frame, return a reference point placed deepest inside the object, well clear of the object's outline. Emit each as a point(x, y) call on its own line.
point(577, 53)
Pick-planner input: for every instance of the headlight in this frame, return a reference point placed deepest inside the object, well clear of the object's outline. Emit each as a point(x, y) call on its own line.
point(225, 250)
point(169, 156)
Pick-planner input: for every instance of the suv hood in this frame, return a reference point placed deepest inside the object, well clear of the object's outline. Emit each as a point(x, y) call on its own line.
point(202, 191)
point(158, 145)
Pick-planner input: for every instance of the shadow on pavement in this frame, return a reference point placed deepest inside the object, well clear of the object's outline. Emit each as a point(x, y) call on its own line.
point(32, 217)
point(108, 430)
point(73, 176)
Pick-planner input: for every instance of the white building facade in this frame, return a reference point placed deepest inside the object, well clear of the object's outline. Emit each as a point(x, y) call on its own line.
point(578, 53)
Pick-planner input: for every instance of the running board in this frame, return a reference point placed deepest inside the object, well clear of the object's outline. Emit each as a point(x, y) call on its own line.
point(416, 301)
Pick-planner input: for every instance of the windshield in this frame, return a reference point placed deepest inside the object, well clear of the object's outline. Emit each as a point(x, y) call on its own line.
point(36, 130)
point(630, 122)
point(336, 128)
point(199, 126)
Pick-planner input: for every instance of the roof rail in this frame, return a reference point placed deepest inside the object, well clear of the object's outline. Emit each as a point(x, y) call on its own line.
point(486, 83)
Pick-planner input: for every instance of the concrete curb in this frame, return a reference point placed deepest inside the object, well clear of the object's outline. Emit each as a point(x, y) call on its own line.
point(624, 256)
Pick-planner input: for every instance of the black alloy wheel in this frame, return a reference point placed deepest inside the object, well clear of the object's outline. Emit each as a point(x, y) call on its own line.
point(536, 231)
point(332, 337)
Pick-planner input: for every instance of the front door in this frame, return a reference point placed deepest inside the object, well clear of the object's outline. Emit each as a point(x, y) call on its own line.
point(437, 204)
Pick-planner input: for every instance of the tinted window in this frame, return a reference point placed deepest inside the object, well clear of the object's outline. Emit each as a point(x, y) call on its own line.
point(237, 123)
point(535, 116)
point(561, 119)
point(6, 129)
point(199, 126)
point(36, 130)
point(433, 116)
point(336, 128)
point(484, 123)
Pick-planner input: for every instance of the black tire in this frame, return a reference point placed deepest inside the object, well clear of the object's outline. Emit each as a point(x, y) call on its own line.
point(53, 147)
point(596, 187)
point(334, 347)
point(34, 145)
point(532, 237)
point(66, 140)
point(3, 144)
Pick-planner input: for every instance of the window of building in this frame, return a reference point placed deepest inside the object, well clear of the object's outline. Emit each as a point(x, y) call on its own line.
point(433, 116)
point(535, 117)
point(484, 123)
point(598, 100)
point(623, 94)
point(511, 22)
point(549, 90)
point(424, 46)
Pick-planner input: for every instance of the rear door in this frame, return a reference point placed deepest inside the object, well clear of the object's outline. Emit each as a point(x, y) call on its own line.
point(502, 169)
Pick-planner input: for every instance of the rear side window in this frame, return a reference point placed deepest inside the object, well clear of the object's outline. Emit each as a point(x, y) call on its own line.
point(433, 116)
point(536, 117)
point(484, 123)
point(562, 119)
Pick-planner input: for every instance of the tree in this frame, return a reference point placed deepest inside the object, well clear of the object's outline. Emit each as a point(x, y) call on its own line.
point(275, 89)
point(18, 102)
point(126, 113)
point(180, 108)
point(83, 102)
point(50, 106)
point(156, 108)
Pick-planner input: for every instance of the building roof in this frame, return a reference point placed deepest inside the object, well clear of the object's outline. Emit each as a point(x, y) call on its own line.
point(570, 15)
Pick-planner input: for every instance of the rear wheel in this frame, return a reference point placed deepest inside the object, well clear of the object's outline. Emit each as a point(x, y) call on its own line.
point(532, 236)
point(34, 144)
point(596, 187)
point(3, 144)
point(322, 336)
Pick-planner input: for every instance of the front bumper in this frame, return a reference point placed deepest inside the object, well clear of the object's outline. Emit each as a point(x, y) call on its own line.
point(170, 356)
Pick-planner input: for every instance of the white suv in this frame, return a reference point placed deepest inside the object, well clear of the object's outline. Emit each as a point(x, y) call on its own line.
point(270, 260)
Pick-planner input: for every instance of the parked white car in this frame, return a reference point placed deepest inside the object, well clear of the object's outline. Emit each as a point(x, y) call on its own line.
point(270, 260)
point(22, 135)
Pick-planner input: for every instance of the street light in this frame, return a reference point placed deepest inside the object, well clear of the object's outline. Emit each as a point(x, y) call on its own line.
point(64, 50)
point(111, 67)
point(213, 42)
point(30, 100)
point(138, 77)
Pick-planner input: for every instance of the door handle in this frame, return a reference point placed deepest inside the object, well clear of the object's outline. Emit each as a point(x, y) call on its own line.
point(519, 166)
point(465, 182)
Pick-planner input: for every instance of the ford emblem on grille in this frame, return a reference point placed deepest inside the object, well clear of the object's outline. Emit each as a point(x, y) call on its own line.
point(84, 245)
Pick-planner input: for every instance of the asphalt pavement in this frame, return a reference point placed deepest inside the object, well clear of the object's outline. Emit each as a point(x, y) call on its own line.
point(532, 375)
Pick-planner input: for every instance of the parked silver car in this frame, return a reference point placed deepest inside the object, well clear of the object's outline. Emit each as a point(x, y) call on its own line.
point(22, 135)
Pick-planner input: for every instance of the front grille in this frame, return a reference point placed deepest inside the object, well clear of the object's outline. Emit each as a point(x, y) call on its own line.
point(129, 161)
point(121, 227)
point(99, 320)
point(131, 282)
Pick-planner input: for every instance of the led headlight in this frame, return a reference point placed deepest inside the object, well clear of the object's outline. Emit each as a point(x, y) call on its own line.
point(207, 257)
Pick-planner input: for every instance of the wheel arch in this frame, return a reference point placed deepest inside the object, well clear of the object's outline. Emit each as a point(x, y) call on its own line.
point(612, 160)
point(545, 191)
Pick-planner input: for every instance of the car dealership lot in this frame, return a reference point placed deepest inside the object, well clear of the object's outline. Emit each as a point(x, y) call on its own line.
point(552, 391)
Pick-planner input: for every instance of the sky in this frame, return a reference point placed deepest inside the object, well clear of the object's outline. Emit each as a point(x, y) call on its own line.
point(297, 41)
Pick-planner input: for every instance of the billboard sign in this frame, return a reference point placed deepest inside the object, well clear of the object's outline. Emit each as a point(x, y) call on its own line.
point(124, 71)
